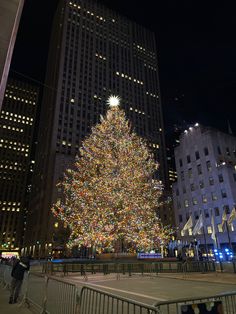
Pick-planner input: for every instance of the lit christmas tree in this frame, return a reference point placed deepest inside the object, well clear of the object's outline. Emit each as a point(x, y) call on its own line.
point(110, 196)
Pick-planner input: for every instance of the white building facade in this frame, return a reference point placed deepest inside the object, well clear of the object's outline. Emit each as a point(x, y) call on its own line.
point(206, 185)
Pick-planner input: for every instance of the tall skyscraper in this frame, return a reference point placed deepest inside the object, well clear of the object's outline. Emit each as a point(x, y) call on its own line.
point(94, 53)
point(10, 13)
point(16, 133)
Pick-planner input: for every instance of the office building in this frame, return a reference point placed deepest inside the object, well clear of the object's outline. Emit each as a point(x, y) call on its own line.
point(17, 120)
point(172, 174)
point(206, 169)
point(94, 53)
point(10, 13)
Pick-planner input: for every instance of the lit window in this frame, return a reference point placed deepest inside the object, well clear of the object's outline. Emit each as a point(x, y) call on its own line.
point(220, 229)
point(209, 229)
point(213, 196)
point(194, 201)
point(208, 164)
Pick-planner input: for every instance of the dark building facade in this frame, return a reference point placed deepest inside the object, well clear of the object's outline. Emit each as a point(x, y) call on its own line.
point(17, 120)
point(10, 13)
point(94, 53)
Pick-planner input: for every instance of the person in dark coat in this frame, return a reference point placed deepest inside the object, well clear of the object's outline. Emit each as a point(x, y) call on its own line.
point(18, 270)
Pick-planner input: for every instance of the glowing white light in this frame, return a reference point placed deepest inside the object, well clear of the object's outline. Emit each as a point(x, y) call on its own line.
point(196, 124)
point(113, 101)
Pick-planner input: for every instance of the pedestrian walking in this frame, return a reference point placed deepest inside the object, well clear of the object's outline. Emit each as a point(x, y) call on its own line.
point(18, 270)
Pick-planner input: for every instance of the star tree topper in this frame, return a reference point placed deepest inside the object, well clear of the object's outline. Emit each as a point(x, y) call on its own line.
point(113, 101)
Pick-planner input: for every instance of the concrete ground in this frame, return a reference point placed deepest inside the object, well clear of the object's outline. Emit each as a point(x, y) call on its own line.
point(163, 287)
point(146, 289)
point(6, 308)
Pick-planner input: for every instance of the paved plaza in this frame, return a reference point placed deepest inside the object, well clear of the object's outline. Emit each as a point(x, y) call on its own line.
point(146, 289)
point(163, 287)
point(6, 308)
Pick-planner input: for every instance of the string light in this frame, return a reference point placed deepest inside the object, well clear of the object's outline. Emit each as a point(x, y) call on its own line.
point(110, 197)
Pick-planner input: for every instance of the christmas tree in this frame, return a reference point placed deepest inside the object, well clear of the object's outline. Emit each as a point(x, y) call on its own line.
point(110, 196)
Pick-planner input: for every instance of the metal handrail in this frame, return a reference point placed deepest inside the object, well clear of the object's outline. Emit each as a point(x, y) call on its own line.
point(184, 300)
point(227, 299)
point(139, 306)
point(54, 293)
point(61, 297)
point(130, 268)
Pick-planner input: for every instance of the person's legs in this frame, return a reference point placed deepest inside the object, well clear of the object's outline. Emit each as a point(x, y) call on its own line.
point(12, 289)
point(17, 290)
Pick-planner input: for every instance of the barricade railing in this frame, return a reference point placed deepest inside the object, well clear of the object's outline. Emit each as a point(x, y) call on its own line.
point(55, 296)
point(5, 275)
point(2, 270)
point(100, 302)
point(129, 268)
point(51, 295)
point(228, 301)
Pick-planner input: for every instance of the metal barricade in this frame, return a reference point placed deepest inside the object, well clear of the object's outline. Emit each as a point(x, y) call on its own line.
point(3, 267)
point(61, 297)
point(6, 279)
point(35, 291)
point(174, 306)
point(50, 295)
point(100, 302)
point(54, 296)
point(147, 268)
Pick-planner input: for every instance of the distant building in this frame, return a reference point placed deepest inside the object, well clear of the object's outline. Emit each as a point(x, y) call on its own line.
point(172, 174)
point(172, 140)
point(206, 169)
point(16, 133)
point(94, 53)
point(10, 13)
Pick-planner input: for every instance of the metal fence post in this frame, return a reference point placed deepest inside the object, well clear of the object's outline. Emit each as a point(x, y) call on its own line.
point(51, 268)
point(234, 268)
point(156, 268)
point(25, 301)
point(44, 305)
point(129, 269)
point(78, 301)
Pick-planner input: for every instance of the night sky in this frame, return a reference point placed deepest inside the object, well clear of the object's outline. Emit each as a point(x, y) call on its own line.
point(196, 52)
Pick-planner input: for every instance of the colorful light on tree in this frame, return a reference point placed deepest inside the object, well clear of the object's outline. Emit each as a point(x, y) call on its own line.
point(109, 195)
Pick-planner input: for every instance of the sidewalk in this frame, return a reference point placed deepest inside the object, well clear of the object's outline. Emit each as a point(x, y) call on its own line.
point(6, 308)
point(226, 278)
